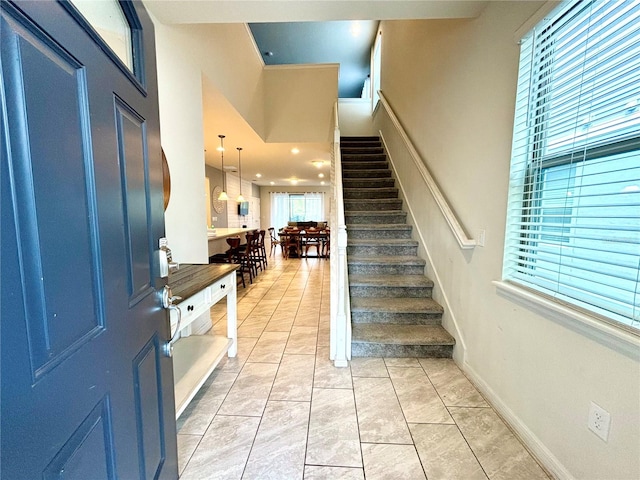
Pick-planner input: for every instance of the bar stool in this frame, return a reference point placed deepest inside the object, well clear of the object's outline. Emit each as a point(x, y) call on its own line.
point(238, 256)
point(233, 242)
point(263, 250)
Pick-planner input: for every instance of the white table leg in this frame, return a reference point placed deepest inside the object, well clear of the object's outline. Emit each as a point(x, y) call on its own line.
point(232, 315)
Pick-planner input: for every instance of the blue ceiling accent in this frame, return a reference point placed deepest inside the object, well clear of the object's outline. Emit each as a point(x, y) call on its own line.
point(321, 42)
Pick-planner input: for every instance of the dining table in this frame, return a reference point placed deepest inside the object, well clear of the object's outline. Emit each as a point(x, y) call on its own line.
point(305, 238)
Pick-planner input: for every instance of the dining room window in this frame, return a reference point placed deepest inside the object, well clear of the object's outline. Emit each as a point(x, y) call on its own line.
point(296, 207)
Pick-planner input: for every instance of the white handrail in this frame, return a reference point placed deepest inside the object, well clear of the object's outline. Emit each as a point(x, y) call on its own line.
point(340, 336)
point(459, 233)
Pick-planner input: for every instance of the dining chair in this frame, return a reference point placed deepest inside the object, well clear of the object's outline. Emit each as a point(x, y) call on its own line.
point(274, 240)
point(311, 238)
point(291, 242)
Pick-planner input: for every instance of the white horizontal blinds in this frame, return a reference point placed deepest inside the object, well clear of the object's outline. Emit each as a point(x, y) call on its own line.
point(574, 199)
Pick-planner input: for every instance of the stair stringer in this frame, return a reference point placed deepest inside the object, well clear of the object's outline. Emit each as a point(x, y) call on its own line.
point(449, 320)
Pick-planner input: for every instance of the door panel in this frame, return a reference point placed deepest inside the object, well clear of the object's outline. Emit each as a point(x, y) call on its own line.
point(89, 452)
point(131, 131)
point(86, 393)
point(56, 328)
point(149, 409)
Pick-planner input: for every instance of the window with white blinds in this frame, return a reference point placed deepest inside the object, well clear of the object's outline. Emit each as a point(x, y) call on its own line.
point(573, 221)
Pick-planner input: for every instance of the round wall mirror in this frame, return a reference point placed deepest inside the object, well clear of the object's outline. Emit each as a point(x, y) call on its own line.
point(166, 180)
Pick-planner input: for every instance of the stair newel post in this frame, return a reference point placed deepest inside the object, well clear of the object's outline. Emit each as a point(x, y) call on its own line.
point(343, 332)
point(340, 334)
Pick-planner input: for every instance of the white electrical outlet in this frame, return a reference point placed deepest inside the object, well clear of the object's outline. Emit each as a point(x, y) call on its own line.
point(599, 421)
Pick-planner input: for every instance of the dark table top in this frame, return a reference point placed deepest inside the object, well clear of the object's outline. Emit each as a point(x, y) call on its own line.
point(190, 279)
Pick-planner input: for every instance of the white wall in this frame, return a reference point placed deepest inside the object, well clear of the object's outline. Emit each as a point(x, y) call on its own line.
point(233, 190)
point(299, 102)
point(452, 84)
point(265, 201)
point(354, 117)
point(182, 139)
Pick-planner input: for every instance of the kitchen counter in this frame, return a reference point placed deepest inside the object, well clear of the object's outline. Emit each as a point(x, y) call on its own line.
point(227, 232)
point(217, 242)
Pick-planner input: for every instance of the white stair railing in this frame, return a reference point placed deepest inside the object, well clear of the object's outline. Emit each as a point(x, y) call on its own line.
point(340, 333)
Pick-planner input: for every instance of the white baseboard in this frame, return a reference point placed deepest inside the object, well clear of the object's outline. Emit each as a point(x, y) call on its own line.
point(528, 438)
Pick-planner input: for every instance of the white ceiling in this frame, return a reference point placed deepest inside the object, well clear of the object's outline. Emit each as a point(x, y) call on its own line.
point(275, 161)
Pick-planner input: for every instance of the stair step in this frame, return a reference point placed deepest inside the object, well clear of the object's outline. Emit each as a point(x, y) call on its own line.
point(375, 204)
point(355, 157)
point(352, 149)
point(359, 138)
point(381, 246)
point(397, 311)
point(385, 265)
point(366, 165)
point(371, 173)
point(368, 182)
point(418, 341)
point(379, 231)
point(386, 286)
point(360, 217)
point(362, 144)
point(379, 192)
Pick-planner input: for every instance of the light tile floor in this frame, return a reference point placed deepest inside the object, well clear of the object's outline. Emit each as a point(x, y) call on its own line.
point(280, 409)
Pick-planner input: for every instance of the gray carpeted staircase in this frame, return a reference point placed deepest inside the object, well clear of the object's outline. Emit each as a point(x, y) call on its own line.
point(392, 312)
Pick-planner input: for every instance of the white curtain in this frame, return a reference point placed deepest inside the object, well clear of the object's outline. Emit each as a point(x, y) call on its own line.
point(298, 207)
point(279, 209)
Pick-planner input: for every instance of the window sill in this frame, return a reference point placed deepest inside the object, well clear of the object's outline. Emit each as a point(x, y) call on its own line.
point(618, 338)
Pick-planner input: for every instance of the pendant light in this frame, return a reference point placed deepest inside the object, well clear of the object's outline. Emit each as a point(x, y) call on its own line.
point(240, 197)
point(223, 195)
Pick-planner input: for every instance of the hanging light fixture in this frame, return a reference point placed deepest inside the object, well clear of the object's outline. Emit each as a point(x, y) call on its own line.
point(223, 195)
point(240, 197)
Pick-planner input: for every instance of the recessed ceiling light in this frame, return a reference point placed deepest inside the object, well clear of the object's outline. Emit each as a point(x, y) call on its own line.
point(294, 182)
point(322, 183)
point(321, 175)
point(317, 163)
point(272, 183)
point(259, 175)
point(268, 54)
point(295, 150)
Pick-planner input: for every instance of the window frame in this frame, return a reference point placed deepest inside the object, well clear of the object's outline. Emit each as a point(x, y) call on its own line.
point(138, 76)
point(514, 284)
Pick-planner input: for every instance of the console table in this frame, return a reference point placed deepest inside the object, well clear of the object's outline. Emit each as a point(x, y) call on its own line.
point(195, 356)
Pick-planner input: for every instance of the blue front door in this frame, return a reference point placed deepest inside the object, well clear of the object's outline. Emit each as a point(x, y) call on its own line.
point(86, 392)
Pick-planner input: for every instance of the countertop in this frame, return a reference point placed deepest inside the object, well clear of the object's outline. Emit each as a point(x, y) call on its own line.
point(227, 232)
point(190, 279)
